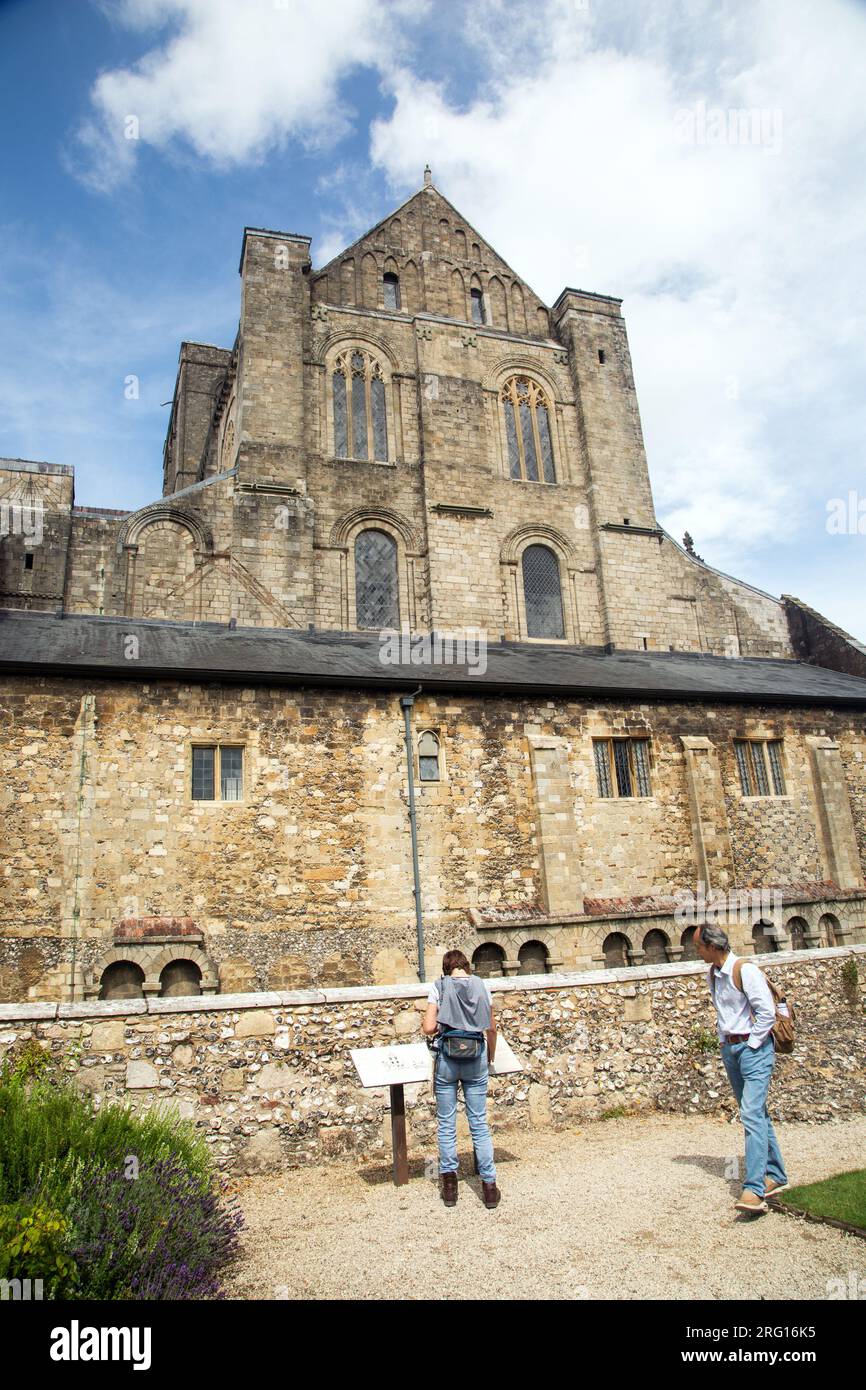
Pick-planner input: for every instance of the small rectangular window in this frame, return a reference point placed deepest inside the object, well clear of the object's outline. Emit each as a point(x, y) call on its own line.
point(477, 306)
point(759, 761)
point(203, 774)
point(231, 774)
point(622, 767)
point(28, 561)
point(205, 786)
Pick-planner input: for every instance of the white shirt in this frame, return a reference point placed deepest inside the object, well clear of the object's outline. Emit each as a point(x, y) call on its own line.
point(751, 1010)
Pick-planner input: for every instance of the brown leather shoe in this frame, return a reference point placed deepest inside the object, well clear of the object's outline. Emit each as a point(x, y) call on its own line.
point(491, 1194)
point(448, 1188)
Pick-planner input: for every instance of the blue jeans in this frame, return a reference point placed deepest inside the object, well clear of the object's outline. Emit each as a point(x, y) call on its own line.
point(473, 1078)
point(749, 1071)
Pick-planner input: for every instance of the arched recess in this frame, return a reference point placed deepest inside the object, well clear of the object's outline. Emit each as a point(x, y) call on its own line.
point(497, 302)
point(410, 562)
point(151, 961)
point(339, 346)
point(518, 309)
point(369, 281)
point(347, 281)
point(510, 561)
point(162, 548)
point(457, 298)
point(411, 294)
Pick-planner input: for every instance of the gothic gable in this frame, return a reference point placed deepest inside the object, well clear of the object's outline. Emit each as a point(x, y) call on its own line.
point(436, 263)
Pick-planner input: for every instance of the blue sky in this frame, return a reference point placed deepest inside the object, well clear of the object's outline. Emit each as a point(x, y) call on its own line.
point(704, 162)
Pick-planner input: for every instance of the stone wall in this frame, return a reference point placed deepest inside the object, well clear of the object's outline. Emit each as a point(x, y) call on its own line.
point(269, 1081)
point(308, 878)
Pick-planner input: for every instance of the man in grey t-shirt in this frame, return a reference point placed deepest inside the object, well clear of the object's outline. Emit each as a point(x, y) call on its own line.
point(461, 1001)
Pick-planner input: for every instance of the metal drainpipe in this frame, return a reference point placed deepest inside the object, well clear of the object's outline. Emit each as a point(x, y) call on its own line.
point(407, 701)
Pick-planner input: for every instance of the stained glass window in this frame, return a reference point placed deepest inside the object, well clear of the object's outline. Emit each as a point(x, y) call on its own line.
point(360, 414)
point(531, 445)
point(377, 602)
point(542, 593)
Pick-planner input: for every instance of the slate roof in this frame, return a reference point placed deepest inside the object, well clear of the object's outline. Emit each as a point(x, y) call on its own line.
point(80, 646)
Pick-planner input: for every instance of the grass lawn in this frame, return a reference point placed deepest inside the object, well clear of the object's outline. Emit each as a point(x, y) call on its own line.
point(842, 1198)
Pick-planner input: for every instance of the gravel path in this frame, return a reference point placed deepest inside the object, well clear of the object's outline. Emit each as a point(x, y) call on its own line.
point(627, 1208)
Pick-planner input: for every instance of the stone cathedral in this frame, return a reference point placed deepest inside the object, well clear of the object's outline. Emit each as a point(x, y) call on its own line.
point(405, 575)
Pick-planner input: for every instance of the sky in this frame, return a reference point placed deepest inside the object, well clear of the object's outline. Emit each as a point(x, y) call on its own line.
point(704, 161)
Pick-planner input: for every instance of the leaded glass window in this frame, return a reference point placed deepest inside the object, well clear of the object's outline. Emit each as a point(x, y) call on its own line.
point(428, 757)
point(204, 774)
point(360, 415)
point(477, 299)
point(622, 766)
point(391, 291)
point(231, 774)
point(759, 760)
point(203, 760)
point(377, 603)
point(774, 753)
point(542, 593)
point(530, 446)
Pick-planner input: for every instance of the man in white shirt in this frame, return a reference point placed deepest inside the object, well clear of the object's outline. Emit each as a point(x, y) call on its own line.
point(745, 1019)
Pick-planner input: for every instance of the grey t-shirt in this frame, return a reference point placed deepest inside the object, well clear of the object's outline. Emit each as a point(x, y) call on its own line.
point(463, 1001)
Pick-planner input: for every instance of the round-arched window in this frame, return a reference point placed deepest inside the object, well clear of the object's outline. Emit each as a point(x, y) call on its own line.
point(542, 593)
point(377, 600)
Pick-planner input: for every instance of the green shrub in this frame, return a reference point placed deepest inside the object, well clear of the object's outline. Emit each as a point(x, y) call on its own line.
point(49, 1132)
point(26, 1061)
point(35, 1244)
point(704, 1040)
point(105, 1203)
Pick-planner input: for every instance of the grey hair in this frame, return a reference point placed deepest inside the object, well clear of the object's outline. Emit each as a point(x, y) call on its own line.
point(714, 936)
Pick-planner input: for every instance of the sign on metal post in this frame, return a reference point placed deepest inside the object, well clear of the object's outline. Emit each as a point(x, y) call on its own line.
point(404, 1065)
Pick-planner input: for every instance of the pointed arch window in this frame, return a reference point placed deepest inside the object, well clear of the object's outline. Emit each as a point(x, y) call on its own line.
point(360, 423)
point(428, 756)
point(377, 601)
point(391, 290)
point(527, 431)
point(542, 593)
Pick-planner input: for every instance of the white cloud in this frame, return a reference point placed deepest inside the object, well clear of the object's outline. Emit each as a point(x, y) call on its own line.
point(230, 80)
point(739, 262)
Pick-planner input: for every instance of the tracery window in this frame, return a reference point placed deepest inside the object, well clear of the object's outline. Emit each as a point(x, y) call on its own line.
point(360, 426)
point(377, 601)
point(527, 431)
point(542, 593)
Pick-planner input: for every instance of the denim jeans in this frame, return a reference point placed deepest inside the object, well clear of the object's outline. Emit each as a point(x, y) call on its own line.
point(473, 1078)
point(749, 1071)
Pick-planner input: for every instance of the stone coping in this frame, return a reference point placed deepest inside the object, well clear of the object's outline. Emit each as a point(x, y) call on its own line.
point(33, 1010)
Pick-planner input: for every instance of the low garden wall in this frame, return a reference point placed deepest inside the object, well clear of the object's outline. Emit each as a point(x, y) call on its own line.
point(269, 1081)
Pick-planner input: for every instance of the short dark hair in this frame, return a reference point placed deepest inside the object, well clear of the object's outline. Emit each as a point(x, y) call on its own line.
point(454, 960)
